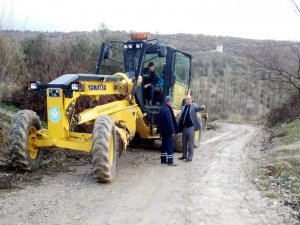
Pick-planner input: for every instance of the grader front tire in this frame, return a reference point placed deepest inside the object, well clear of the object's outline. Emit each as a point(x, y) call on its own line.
point(24, 155)
point(104, 149)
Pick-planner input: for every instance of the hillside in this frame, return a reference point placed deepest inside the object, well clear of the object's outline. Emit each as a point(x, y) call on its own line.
point(225, 82)
point(235, 155)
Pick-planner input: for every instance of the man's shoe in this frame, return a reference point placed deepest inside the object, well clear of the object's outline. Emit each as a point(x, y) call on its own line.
point(182, 158)
point(164, 163)
point(188, 160)
point(172, 164)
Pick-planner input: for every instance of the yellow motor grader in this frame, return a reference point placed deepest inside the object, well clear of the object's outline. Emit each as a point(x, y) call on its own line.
point(115, 123)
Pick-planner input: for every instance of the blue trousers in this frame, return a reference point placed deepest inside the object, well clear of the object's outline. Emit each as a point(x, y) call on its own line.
point(167, 149)
point(149, 93)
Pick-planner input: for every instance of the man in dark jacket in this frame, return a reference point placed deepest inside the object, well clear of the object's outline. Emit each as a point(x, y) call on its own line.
point(167, 126)
point(149, 83)
point(188, 123)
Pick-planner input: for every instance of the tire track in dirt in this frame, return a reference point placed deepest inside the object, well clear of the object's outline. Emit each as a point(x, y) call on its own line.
point(213, 189)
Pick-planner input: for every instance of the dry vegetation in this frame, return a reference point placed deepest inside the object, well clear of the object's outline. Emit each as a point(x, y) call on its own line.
point(227, 83)
point(278, 172)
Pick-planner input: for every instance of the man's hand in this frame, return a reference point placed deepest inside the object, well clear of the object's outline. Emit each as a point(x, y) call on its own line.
point(146, 85)
point(139, 80)
point(202, 107)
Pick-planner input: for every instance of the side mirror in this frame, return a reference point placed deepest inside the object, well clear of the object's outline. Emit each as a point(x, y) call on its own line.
point(106, 53)
point(162, 51)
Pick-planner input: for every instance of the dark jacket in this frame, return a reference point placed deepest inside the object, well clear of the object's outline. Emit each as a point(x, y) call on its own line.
point(152, 78)
point(166, 122)
point(193, 116)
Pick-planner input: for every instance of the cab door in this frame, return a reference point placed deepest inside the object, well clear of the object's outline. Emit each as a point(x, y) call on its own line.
point(182, 74)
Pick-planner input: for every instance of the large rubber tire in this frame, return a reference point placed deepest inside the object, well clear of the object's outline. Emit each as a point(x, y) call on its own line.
point(197, 139)
point(119, 144)
point(177, 142)
point(178, 138)
point(198, 133)
point(136, 142)
point(24, 155)
point(148, 142)
point(104, 149)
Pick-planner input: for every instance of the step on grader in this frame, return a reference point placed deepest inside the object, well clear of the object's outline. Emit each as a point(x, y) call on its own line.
point(124, 119)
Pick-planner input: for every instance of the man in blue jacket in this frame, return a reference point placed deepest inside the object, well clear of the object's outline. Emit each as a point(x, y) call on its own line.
point(167, 126)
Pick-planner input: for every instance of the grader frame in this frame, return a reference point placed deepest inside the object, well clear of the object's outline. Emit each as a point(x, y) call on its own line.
point(123, 112)
point(115, 123)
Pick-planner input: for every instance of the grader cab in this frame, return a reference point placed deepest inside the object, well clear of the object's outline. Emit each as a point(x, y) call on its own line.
point(116, 113)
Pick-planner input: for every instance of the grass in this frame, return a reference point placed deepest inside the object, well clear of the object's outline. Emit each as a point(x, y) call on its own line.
point(287, 159)
point(263, 182)
point(8, 107)
point(285, 174)
point(291, 132)
point(285, 151)
point(5, 118)
point(271, 194)
point(284, 178)
point(288, 176)
point(279, 176)
point(44, 124)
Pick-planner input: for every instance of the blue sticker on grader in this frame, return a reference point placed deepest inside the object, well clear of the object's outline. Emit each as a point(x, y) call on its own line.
point(54, 114)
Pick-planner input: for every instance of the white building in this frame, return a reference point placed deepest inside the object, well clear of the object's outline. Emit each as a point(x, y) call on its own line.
point(219, 48)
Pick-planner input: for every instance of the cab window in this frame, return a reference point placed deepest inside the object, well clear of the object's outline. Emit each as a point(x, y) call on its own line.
point(159, 64)
point(182, 68)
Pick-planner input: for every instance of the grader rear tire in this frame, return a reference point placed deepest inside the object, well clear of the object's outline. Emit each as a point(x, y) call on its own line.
point(198, 133)
point(104, 149)
point(24, 155)
point(178, 138)
point(197, 139)
point(136, 141)
point(177, 142)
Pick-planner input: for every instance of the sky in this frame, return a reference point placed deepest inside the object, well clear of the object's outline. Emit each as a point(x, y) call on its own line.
point(255, 19)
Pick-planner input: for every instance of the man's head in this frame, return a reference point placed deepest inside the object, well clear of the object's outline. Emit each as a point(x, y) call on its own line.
point(188, 100)
point(151, 67)
point(169, 100)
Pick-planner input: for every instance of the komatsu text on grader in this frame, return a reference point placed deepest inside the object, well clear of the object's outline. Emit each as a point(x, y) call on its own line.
point(115, 123)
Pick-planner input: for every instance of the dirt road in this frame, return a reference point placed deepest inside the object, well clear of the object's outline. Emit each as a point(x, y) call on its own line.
point(213, 189)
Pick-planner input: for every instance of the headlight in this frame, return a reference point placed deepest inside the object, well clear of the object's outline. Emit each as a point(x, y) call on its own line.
point(32, 85)
point(138, 46)
point(125, 46)
point(75, 86)
point(130, 46)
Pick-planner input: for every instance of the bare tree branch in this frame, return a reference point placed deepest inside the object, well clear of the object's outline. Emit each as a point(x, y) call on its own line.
point(297, 8)
point(281, 61)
